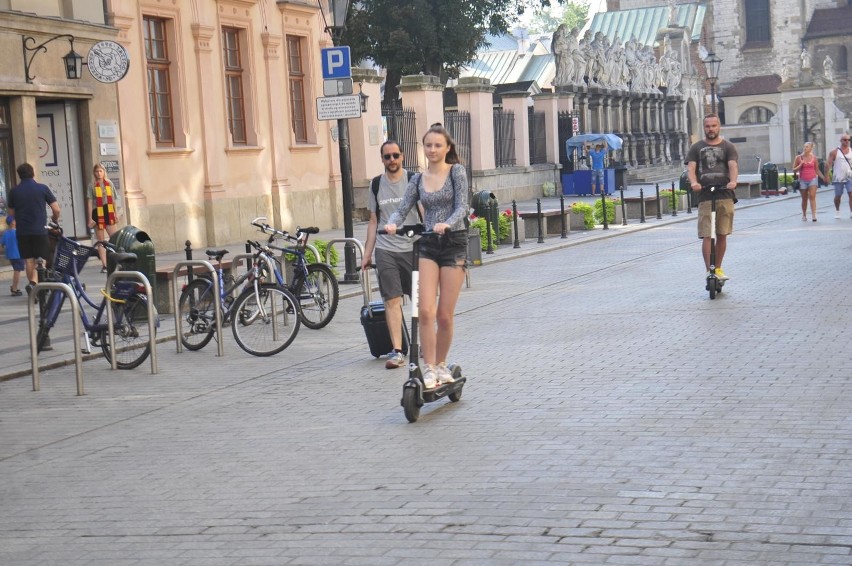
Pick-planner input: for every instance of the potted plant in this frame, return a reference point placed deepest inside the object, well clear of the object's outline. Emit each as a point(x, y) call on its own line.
point(613, 211)
point(582, 216)
point(507, 227)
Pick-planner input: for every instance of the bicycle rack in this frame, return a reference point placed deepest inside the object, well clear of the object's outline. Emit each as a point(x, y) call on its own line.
point(217, 305)
point(331, 243)
point(152, 325)
point(77, 325)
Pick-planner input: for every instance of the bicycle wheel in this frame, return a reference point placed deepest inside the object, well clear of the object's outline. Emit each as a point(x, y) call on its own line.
point(197, 314)
point(131, 332)
point(265, 322)
point(318, 295)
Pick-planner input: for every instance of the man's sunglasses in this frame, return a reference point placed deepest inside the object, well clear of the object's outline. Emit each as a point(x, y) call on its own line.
point(389, 156)
point(844, 139)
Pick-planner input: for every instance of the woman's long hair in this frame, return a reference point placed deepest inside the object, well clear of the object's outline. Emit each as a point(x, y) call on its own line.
point(100, 166)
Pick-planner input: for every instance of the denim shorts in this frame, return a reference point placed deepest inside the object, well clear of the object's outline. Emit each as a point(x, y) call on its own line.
point(840, 186)
point(597, 176)
point(447, 251)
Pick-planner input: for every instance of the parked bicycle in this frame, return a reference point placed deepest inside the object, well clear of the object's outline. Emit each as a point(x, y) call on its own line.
point(264, 316)
point(126, 298)
point(313, 283)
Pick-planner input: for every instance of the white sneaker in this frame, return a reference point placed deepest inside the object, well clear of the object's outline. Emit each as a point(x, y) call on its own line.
point(430, 380)
point(443, 373)
point(837, 214)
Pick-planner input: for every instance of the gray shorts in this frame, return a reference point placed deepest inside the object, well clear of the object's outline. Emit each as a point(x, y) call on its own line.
point(839, 187)
point(394, 273)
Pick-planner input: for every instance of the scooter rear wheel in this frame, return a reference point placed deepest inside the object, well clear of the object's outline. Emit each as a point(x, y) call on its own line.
point(409, 404)
point(455, 396)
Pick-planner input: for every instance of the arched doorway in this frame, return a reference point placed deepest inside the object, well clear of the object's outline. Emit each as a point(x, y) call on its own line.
point(807, 124)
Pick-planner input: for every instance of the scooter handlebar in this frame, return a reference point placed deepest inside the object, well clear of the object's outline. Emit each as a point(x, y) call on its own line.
point(411, 230)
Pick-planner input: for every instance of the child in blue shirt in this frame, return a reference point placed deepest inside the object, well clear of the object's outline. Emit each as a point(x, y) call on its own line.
point(10, 242)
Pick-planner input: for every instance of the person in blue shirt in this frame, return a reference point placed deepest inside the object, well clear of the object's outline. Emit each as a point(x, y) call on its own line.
point(10, 242)
point(598, 155)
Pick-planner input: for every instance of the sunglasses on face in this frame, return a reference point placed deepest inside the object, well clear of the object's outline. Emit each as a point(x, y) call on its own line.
point(844, 139)
point(389, 156)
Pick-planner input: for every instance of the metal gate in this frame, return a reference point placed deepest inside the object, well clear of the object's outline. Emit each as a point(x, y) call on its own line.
point(504, 138)
point(399, 126)
point(458, 125)
point(565, 123)
point(538, 137)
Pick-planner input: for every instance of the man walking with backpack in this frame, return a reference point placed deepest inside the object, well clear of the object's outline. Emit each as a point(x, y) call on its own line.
point(393, 252)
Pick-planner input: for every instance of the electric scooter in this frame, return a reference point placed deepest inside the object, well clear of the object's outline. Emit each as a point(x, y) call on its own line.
point(414, 393)
point(714, 284)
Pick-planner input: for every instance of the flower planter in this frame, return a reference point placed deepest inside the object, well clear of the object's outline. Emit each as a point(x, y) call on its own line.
point(577, 221)
point(510, 239)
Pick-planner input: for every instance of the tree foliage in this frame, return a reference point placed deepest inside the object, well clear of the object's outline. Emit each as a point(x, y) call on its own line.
point(434, 37)
point(546, 19)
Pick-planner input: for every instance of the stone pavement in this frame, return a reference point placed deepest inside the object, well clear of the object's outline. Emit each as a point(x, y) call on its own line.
point(613, 415)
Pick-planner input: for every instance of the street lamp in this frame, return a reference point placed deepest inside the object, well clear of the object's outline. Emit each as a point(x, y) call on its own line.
point(334, 14)
point(712, 63)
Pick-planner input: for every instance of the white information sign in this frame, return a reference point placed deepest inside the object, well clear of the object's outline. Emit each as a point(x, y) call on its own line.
point(338, 107)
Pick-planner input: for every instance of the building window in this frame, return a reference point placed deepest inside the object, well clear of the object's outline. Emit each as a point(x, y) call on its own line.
point(756, 115)
point(298, 114)
point(757, 21)
point(234, 85)
point(159, 82)
point(842, 60)
point(7, 163)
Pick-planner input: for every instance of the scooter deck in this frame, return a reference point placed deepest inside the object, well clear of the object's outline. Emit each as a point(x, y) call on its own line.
point(443, 390)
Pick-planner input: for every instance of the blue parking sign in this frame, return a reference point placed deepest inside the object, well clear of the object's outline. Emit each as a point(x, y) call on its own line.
point(336, 63)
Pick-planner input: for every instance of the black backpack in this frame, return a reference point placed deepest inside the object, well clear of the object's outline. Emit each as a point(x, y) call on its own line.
point(374, 186)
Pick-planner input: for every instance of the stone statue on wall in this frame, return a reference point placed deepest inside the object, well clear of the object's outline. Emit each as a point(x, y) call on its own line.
point(806, 58)
point(670, 68)
point(562, 56)
point(828, 68)
point(672, 12)
point(580, 62)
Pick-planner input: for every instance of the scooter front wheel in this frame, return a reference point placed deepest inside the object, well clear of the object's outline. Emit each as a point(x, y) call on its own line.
point(410, 406)
point(711, 287)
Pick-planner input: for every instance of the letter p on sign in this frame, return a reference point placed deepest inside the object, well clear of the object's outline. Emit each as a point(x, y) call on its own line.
point(336, 63)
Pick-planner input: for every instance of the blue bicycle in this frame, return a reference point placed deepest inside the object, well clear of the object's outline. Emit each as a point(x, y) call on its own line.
point(126, 298)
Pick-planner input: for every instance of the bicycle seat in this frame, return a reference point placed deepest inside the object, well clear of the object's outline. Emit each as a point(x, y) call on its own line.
point(217, 254)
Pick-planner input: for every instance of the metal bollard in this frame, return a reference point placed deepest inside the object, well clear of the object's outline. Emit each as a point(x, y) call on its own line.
point(623, 207)
point(187, 249)
point(674, 200)
point(641, 205)
point(540, 222)
point(562, 216)
point(517, 243)
point(603, 209)
point(488, 231)
point(659, 208)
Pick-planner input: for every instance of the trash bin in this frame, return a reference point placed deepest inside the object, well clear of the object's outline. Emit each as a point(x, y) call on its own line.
point(133, 240)
point(620, 173)
point(485, 205)
point(769, 177)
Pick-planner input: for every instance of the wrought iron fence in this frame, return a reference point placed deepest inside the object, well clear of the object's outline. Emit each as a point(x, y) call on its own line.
point(399, 125)
point(565, 124)
point(458, 125)
point(504, 138)
point(538, 137)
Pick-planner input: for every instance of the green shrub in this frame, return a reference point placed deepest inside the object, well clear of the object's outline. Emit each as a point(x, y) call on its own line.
point(320, 245)
point(588, 213)
point(503, 228)
point(610, 210)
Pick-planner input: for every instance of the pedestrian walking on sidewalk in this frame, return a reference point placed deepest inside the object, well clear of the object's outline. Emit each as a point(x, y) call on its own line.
point(393, 253)
point(101, 202)
point(27, 202)
point(807, 165)
point(840, 165)
point(443, 191)
point(10, 245)
point(712, 162)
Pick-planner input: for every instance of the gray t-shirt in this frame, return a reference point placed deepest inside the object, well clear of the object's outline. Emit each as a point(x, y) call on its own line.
point(390, 195)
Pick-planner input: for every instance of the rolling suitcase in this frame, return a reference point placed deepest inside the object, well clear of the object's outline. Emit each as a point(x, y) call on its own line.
point(375, 325)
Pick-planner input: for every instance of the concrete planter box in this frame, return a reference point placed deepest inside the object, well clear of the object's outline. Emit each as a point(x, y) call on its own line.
point(577, 221)
point(510, 239)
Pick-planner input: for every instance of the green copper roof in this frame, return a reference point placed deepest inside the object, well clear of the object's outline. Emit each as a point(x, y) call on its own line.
point(644, 23)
